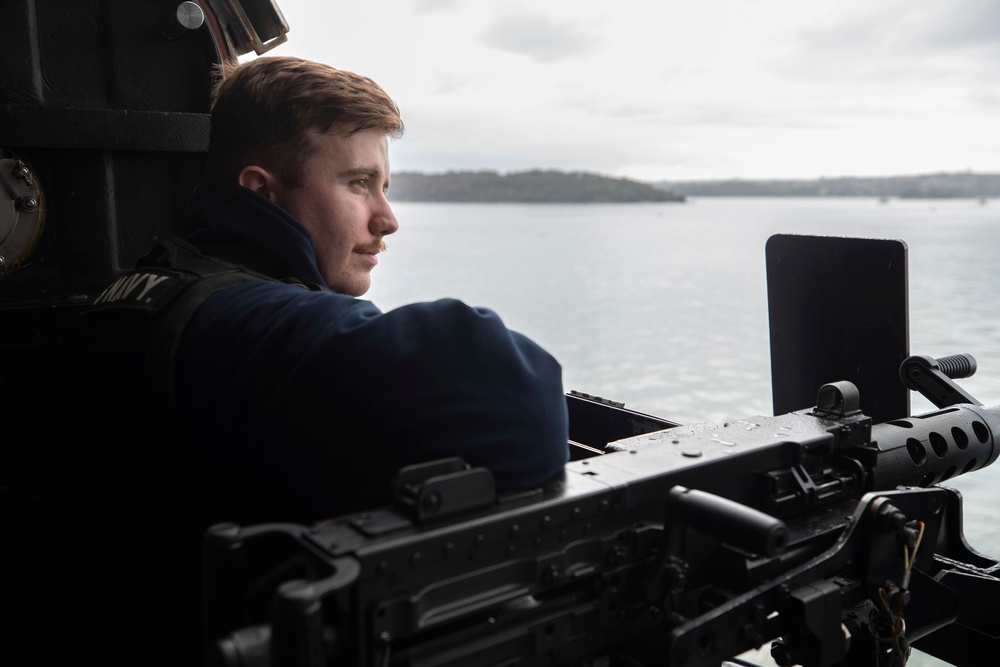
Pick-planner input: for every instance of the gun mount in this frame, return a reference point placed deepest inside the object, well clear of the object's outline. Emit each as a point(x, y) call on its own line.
point(681, 547)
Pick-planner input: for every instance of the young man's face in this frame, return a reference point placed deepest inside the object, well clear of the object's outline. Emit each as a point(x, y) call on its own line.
point(342, 203)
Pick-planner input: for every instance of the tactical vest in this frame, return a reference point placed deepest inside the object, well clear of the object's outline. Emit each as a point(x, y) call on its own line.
point(147, 489)
point(155, 302)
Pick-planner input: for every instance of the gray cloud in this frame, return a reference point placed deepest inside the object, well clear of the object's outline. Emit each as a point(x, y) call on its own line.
point(425, 6)
point(900, 42)
point(964, 24)
point(743, 113)
point(986, 98)
point(447, 83)
point(539, 38)
point(506, 142)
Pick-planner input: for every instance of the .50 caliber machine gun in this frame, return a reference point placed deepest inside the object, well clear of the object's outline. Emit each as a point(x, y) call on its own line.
point(817, 529)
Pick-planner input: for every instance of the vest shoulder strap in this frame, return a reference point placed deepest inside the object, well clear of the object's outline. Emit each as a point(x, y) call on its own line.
point(171, 269)
point(144, 313)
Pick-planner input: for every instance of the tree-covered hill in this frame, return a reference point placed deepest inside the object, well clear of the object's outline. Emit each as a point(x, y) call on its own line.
point(526, 187)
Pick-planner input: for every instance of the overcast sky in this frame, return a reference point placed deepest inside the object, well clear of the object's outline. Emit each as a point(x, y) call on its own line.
point(661, 89)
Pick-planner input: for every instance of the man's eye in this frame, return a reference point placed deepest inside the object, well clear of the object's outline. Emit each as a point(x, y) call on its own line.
point(361, 182)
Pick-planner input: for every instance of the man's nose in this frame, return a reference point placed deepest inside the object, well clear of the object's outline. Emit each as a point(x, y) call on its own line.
point(384, 221)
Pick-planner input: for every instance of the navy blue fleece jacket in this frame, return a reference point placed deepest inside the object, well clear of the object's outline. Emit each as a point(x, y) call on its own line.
point(325, 397)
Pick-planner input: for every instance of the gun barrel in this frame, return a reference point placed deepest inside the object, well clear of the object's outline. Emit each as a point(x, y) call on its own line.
point(932, 448)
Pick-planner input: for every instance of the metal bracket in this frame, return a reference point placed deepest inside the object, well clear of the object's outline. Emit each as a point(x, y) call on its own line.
point(442, 488)
point(933, 378)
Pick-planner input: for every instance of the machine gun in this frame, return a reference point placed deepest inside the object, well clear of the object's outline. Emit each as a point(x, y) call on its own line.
point(686, 546)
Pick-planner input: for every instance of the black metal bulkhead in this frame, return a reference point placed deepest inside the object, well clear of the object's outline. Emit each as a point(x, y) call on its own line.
point(103, 133)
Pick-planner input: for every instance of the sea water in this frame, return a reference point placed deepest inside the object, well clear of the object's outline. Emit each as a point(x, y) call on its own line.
point(664, 306)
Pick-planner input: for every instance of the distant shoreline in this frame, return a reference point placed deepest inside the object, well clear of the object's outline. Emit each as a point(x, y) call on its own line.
point(559, 187)
point(961, 185)
point(538, 187)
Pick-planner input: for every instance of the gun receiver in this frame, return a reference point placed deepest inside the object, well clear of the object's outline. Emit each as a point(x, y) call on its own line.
point(683, 547)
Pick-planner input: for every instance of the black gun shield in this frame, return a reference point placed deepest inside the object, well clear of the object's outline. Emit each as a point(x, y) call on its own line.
point(838, 310)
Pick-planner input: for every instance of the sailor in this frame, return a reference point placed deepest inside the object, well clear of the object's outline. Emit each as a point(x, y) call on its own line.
point(252, 383)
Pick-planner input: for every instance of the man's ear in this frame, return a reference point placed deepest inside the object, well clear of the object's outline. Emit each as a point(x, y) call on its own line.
point(259, 180)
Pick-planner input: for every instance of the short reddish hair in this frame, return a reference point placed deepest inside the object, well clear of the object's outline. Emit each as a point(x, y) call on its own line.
point(266, 110)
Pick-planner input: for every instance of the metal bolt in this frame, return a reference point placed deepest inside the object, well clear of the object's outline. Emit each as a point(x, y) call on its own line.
point(889, 518)
point(187, 16)
point(675, 573)
point(431, 502)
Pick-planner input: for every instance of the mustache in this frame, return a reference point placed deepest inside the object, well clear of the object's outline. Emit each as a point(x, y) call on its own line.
point(372, 248)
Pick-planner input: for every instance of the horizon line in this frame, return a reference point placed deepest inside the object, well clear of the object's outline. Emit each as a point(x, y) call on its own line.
point(502, 172)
